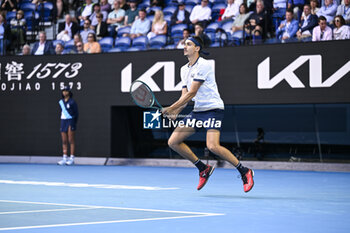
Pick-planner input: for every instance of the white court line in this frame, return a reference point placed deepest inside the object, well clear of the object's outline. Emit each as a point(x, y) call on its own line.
point(85, 185)
point(50, 210)
point(195, 215)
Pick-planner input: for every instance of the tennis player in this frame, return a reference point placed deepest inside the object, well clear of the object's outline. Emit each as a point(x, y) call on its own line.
point(198, 80)
point(69, 118)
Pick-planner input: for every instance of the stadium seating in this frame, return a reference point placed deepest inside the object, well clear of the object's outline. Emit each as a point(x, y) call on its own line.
point(140, 42)
point(106, 44)
point(123, 43)
point(158, 42)
point(69, 44)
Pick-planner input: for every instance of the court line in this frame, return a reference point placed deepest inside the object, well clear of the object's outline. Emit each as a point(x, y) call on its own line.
point(49, 210)
point(85, 185)
point(194, 215)
point(108, 207)
point(106, 222)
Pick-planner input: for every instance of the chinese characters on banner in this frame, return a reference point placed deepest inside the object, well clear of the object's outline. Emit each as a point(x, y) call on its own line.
point(16, 79)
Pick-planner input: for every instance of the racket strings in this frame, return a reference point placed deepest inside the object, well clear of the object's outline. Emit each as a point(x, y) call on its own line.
point(142, 95)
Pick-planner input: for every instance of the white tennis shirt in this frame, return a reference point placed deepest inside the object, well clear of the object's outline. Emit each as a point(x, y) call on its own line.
point(207, 97)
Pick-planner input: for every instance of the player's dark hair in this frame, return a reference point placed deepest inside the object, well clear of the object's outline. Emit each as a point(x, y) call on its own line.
point(200, 40)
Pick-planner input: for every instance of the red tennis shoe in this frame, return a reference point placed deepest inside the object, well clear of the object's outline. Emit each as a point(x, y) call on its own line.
point(248, 181)
point(204, 176)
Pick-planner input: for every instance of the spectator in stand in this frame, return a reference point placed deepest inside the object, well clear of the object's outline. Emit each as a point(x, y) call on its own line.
point(181, 15)
point(67, 29)
point(43, 47)
point(297, 6)
point(314, 7)
point(344, 10)
point(101, 28)
point(87, 29)
point(201, 14)
point(8, 5)
point(288, 28)
point(322, 32)
point(238, 24)
point(231, 11)
point(59, 49)
point(5, 34)
point(279, 11)
point(307, 24)
point(256, 23)
point(199, 31)
point(124, 5)
point(77, 38)
point(97, 9)
point(141, 26)
point(92, 46)
point(185, 34)
point(105, 6)
point(79, 48)
point(131, 14)
point(115, 19)
point(85, 11)
point(159, 25)
point(18, 28)
point(26, 50)
point(340, 31)
point(328, 10)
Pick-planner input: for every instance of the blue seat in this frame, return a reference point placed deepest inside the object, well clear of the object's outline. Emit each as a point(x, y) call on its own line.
point(122, 43)
point(158, 42)
point(123, 30)
point(115, 50)
point(215, 45)
point(31, 18)
point(211, 28)
point(69, 44)
point(215, 10)
point(106, 44)
point(134, 49)
point(219, 1)
point(189, 8)
point(192, 2)
point(227, 27)
point(10, 15)
point(154, 9)
point(217, 7)
point(167, 18)
point(169, 10)
point(28, 7)
point(140, 42)
point(170, 46)
point(144, 5)
point(177, 30)
point(45, 11)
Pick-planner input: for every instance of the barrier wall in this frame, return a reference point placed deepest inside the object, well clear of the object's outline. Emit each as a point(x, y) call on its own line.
point(270, 74)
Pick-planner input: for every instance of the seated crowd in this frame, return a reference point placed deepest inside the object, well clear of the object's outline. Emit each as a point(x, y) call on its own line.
point(120, 25)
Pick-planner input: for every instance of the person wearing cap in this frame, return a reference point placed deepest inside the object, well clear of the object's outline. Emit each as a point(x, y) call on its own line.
point(198, 84)
point(181, 15)
point(69, 118)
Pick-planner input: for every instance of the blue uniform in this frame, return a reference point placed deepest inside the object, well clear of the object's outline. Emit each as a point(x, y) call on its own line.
point(69, 114)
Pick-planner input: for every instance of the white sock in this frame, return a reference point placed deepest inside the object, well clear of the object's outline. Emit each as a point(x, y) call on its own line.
point(65, 156)
point(72, 156)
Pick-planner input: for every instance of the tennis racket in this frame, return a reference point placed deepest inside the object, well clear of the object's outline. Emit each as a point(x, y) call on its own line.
point(143, 96)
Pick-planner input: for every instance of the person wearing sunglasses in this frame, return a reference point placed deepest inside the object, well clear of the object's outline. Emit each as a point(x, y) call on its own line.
point(340, 31)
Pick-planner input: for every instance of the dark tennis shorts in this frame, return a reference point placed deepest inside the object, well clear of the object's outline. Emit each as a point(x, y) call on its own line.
point(66, 123)
point(211, 119)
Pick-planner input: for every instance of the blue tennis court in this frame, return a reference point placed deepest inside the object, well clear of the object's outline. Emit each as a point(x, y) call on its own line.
point(50, 198)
